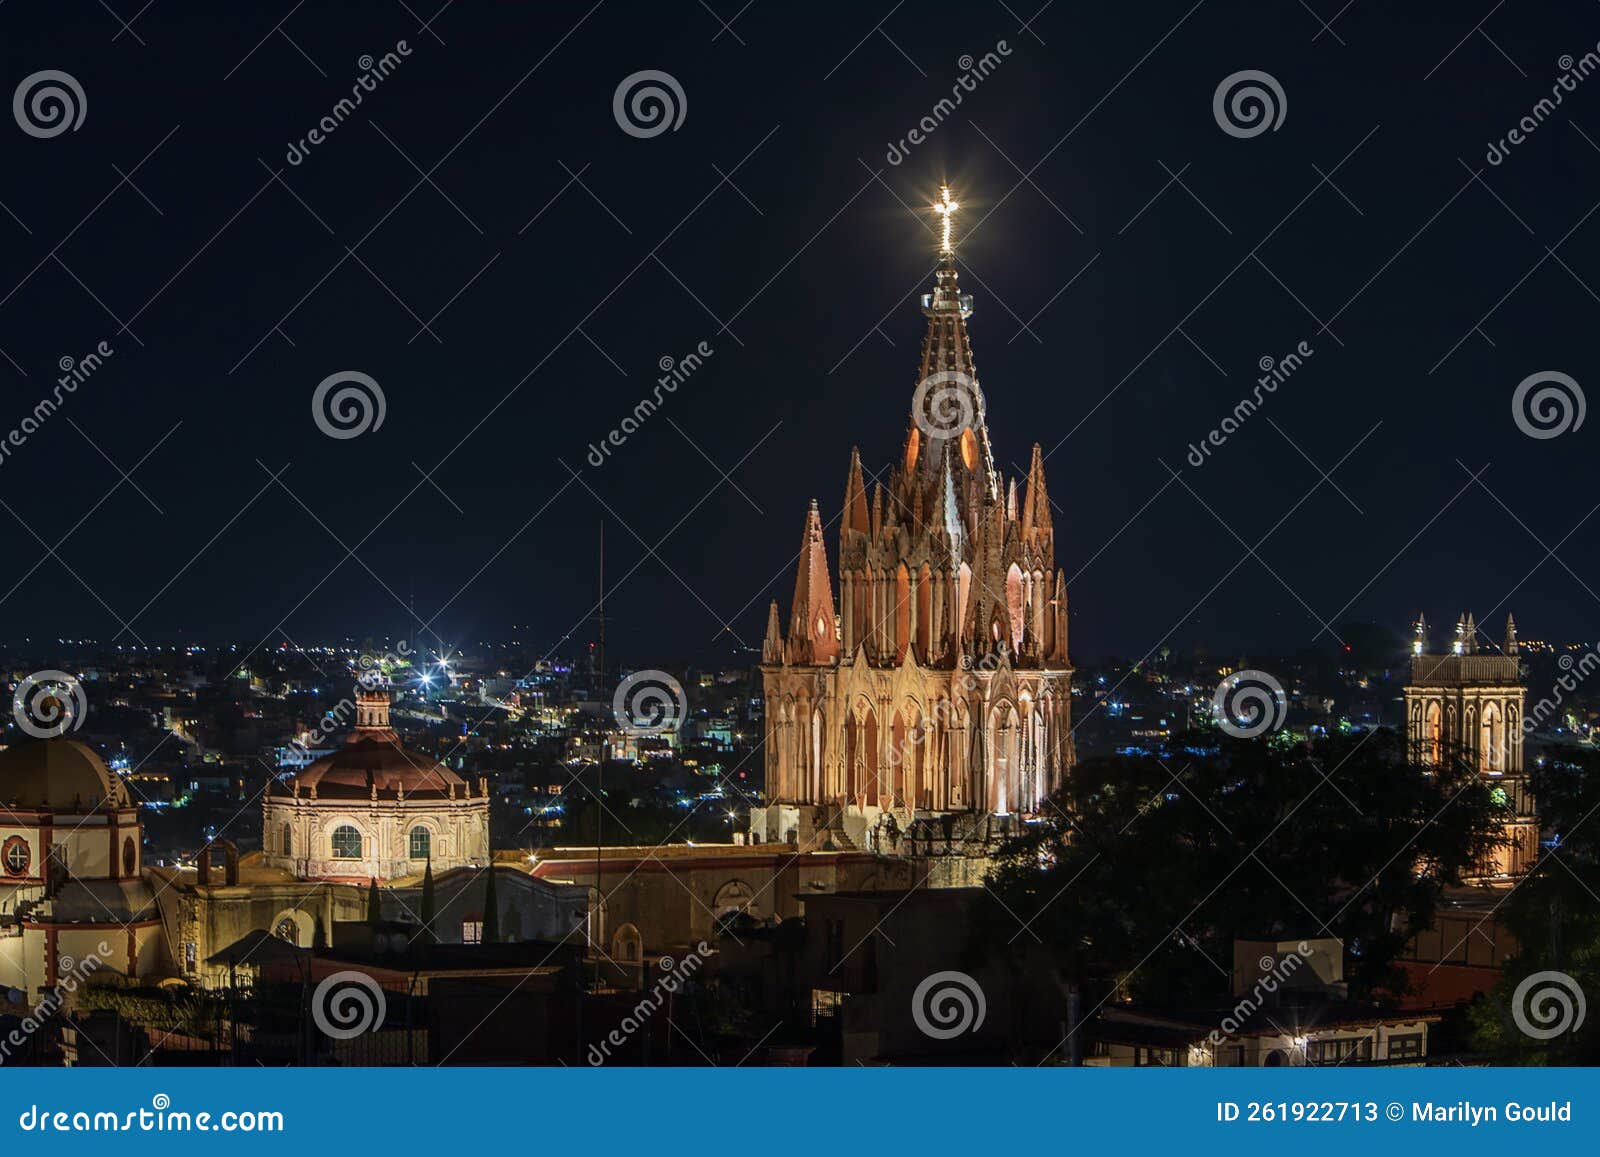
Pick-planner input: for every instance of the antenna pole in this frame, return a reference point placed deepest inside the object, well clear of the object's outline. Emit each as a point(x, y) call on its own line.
point(600, 767)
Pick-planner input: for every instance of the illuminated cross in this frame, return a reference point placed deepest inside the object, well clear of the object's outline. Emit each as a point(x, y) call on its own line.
point(946, 209)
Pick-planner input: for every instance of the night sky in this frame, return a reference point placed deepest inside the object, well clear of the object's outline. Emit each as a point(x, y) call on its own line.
point(485, 188)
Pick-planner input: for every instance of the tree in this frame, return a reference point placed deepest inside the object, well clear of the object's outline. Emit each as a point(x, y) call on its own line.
point(1555, 921)
point(374, 905)
point(1143, 865)
point(428, 904)
point(491, 909)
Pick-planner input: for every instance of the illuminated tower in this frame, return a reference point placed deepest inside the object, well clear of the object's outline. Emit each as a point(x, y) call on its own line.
point(941, 686)
point(1468, 704)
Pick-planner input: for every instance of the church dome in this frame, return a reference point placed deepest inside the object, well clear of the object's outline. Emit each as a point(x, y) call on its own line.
point(60, 775)
point(375, 758)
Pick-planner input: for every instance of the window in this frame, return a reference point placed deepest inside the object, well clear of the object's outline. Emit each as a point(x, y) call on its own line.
point(1166, 1058)
point(287, 930)
point(288, 840)
point(1338, 1051)
point(188, 955)
point(825, 1003)
point(346, 843)
point(421, 843)
point(1405, 1047)
point(16, 857)
point(472, 931)
point(130, 856)
point(627, 946)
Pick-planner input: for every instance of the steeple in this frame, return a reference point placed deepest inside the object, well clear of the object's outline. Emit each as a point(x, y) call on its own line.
point(943, 567)
point(812, 638)
point(772, 644)
point(1510, 647)
point(855, 497)
point(1419, 634)
point(948, 404)
point(1036, 503)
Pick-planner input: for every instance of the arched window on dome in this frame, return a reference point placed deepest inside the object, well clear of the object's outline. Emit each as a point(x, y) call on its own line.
point(346, 843)
point(288, 840)
point(421, 843)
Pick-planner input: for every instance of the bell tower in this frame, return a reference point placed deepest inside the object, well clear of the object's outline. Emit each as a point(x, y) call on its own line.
point(1468, 704)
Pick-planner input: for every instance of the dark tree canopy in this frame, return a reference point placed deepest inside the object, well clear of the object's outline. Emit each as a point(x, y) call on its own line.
point(1145, 870)
point(1554, 914)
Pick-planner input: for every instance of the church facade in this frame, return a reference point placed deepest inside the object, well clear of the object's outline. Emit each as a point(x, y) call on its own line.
point(926, 696)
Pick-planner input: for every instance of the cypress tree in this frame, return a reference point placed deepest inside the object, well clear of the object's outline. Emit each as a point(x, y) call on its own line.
point(374, 907)
point(491, 909)
point(428, 936)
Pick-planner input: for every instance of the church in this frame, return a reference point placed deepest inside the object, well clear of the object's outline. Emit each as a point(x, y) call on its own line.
point(374, 809)
point(72, 896)
point(922, 704)
point(78, 902)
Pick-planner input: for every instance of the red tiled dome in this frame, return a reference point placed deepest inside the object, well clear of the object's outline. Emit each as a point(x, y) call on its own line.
point(373, 757)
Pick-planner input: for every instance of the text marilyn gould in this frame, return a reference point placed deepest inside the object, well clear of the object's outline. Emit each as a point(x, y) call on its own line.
point(1465, 1112)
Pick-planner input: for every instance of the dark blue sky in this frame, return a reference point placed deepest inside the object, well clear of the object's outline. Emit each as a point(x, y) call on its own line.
point(554, 297)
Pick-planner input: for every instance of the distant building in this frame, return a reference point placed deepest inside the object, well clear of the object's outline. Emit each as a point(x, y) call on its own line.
point(1287, 1006)
point(648, 902)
